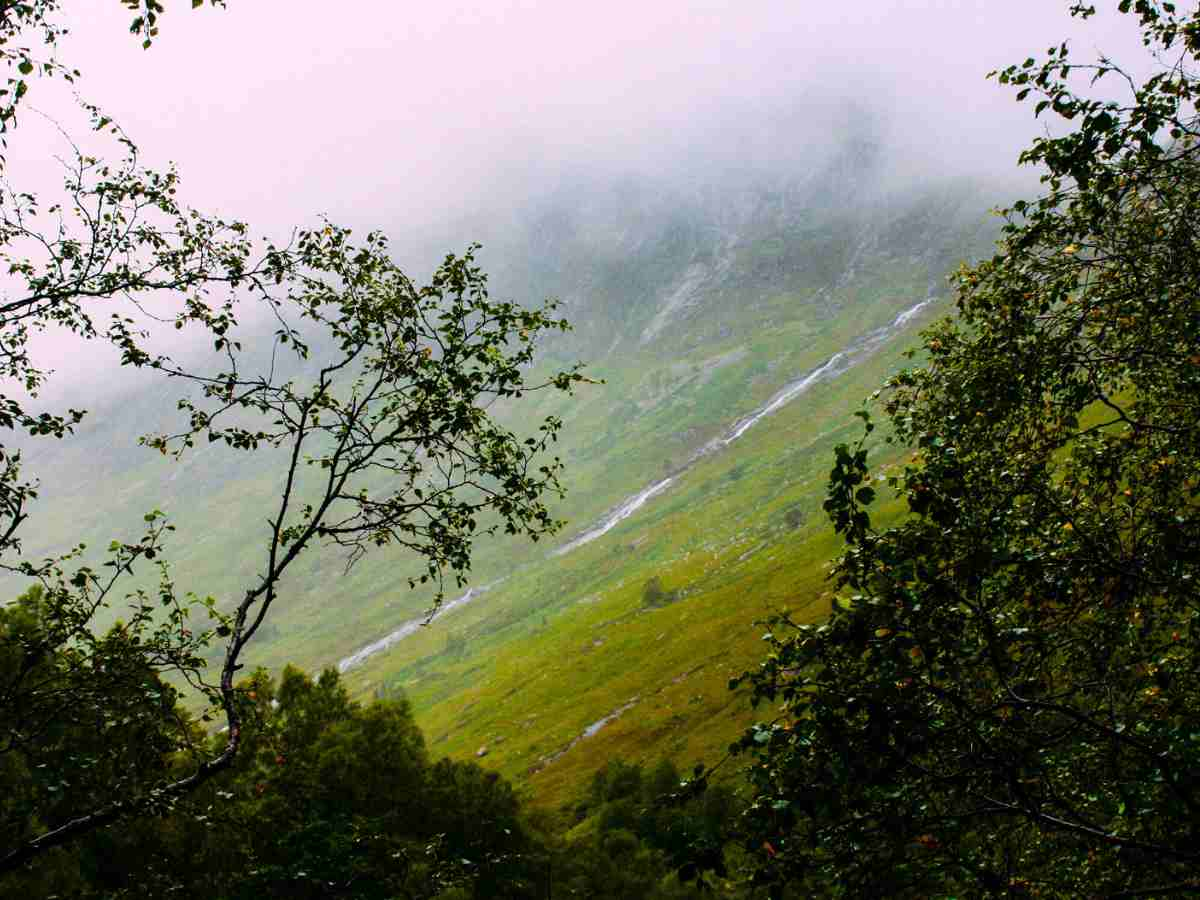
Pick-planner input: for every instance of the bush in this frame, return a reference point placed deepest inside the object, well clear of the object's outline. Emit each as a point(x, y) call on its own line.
point(794, 517)
point(654, 594)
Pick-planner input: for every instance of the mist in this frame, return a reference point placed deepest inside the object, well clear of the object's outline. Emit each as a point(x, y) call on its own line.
point(446, 123)
point(399, 115)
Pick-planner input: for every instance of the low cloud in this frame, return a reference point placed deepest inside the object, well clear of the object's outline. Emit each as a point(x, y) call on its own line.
point(381, 113)
point(412, 117)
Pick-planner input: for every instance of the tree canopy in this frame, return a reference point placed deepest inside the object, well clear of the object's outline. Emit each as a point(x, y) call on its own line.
point(1005, 699)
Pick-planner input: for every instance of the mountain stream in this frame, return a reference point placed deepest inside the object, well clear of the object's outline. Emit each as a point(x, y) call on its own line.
point(854, 353)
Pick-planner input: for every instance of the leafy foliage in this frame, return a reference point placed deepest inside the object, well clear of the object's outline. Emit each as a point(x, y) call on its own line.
point(372, 397)
point(1004, 701)
point(327, 798)
point(332, 798)
point(85, 720)
point(644, 825)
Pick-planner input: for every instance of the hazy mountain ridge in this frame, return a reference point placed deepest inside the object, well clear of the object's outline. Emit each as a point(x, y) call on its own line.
point(644, 264)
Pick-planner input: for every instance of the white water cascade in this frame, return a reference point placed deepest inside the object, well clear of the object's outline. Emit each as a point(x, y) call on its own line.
point(858, 350)
point(394, 637)
point(616, 517)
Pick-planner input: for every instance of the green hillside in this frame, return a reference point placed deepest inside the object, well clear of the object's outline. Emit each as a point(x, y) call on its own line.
point(538, 661)
point(694, 310)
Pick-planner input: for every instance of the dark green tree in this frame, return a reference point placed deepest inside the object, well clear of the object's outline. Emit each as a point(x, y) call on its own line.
point(1004, 700)
point(327, 798)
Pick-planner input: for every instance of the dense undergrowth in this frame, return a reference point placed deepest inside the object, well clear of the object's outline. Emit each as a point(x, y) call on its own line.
point(334, 798)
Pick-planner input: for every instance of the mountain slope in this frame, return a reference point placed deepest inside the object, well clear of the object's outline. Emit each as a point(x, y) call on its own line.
point(698, 306)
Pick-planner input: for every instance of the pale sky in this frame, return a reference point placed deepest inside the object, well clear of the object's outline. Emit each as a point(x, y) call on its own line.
point(405, 115)
point(390, 113)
